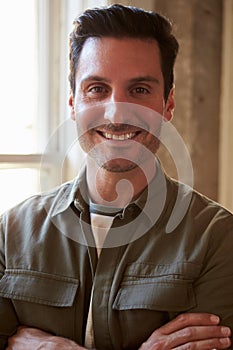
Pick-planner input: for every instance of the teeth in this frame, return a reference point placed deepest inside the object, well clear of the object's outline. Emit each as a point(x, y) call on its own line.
point(119, 137)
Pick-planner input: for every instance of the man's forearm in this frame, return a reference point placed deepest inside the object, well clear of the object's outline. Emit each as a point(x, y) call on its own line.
point(28, 338)
point(198, 331)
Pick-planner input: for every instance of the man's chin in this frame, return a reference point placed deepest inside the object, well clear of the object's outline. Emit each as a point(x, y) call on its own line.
point(119, 166)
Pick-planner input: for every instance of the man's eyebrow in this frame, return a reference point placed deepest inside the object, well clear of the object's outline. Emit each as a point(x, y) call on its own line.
point(94, 78)
point(146, 78)
point(140, 79)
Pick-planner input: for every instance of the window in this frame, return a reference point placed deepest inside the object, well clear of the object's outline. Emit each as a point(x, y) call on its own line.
point(34, 96)
point(18, 77)
point(18, 87)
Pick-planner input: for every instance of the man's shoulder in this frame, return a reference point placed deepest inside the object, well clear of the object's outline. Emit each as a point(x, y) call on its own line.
point(38, 203)
point(200, 207)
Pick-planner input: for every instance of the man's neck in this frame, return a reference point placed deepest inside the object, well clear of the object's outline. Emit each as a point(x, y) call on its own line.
point(117, 189)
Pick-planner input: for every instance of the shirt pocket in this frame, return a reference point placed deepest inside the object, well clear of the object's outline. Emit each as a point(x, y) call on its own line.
point(149, 296)
point(167, 288)
point(38, 287)
point(41, 300)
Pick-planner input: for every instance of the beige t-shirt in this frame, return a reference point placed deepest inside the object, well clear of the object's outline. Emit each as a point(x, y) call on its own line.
point(100, 226)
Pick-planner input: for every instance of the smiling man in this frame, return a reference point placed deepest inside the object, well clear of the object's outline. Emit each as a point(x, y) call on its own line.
point(91, 264)
point(123, 130)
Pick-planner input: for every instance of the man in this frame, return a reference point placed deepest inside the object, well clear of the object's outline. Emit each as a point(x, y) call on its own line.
point(92, 264)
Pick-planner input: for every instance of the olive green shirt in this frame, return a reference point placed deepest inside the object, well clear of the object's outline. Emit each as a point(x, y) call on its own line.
point(169, 252)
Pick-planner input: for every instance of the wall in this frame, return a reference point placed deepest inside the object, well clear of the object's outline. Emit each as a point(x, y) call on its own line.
point(198, 26)
point(226, 120)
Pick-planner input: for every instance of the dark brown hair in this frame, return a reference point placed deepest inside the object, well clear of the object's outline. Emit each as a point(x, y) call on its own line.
point(120, 21)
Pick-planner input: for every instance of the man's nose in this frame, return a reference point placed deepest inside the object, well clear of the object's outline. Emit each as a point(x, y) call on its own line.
point(114, 112)
point(117, 108)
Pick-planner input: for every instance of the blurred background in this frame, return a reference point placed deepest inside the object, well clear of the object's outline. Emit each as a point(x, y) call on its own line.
point(37, 139)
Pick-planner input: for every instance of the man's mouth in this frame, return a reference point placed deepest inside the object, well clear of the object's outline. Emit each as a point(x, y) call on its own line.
point(118, 137)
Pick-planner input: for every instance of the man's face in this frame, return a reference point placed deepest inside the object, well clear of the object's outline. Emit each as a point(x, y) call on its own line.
point(119, 101)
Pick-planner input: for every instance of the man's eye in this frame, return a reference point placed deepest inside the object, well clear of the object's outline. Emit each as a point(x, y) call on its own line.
point(97, 89)
point(140, 90)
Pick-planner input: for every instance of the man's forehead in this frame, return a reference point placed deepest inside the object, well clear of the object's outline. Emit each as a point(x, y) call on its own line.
point(95, 43)
point(96, 49)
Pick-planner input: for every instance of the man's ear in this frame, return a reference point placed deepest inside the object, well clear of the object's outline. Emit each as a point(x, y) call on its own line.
point(71, 104)
point(170, 105)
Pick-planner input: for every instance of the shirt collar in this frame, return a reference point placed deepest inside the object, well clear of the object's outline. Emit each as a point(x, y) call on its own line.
point(76, 192)
point(70, 192)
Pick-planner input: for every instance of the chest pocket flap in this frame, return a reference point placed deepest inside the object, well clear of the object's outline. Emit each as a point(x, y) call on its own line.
point(38, 287)
point(157, 287)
